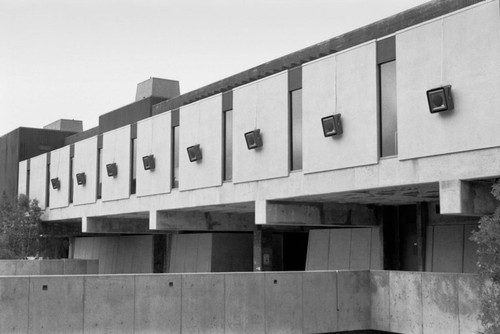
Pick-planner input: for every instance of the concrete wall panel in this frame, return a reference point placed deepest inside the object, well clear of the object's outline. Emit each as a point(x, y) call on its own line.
point(380, 302)
point(116, 149)
point(74, 267)
point(203, 303)
point(376, 260)
point(261, 105)
point(56, 305)
point(201, 123)
point(340, 249)
point(346, 84)
point(27, 267)
point(360, 249)
point(109, 304)
point(158, 304)
point(38, 179)
point(117, 255)
point(22, 177)
point(468, 304)
point(59, 167)
point(448, 249)
point(14, 299)
point(320, 302)
point(232, 252)
point(85, 161)
point(317, 250)
point(244, 304)
point(53, 267)
point(440, 303)
point(353, 300)
point(154, 136)
point(7, 267)
point(470, 250)
point(448, 51)
point(406, 302)
point(284, 303)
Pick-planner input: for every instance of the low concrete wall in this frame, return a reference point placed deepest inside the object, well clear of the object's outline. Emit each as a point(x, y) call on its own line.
point(272, 302)
point(48, 267)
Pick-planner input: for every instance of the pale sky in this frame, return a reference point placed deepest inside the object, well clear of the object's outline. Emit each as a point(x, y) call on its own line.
point(78, 59)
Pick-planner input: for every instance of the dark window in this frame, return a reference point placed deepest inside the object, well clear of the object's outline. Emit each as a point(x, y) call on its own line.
point(71, 180)
point(388, 109)
point(99, 176)
point(296, 129)
point(133, 171)
point(228, 145)
point(175, 157)
point(386, 61)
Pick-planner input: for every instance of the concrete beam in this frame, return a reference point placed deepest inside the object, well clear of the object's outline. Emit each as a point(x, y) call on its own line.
point(467, 198)
point(203, 221)
point(293, 214)
point(317, 214)
point(115, 225)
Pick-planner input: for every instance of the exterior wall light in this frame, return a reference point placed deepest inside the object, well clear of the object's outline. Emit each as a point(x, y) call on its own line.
point(56, 184)
point(332, 125)
point(149, 162)
point(440, 99)
point(81, 179)
point(194, 153)
point(112, 169)
point(253, 139)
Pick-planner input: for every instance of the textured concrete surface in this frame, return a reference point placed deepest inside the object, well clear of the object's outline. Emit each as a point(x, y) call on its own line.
point(353, 300)
point(380, 302)
point(406, 302)
point(14, 302)
point(56, 304)
point(284, 302)
point(440, 303)
point(203, 303)
point(158, 303)
point(245, 303)
point(109, 304)
point(320, 302)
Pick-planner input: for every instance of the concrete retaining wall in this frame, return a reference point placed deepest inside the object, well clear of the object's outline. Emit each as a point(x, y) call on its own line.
point(48, 267)
point(273, 302)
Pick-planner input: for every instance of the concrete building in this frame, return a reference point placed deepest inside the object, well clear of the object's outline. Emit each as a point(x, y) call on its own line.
point(173, 184)
point(374, 150)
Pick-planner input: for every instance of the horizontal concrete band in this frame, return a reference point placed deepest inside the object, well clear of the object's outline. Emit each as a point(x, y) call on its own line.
point(48, 267)
point(312, 302)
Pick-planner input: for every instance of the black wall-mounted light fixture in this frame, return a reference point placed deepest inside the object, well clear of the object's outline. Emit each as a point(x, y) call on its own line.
point(149, 162)
point(81, 179)
point(332, 125)
point(440, 99)
point(112, 169)
point(56, 184)
point(253, 139)
point(194, 153)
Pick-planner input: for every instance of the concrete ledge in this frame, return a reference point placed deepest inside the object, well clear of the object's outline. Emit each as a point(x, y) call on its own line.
point(48, 267)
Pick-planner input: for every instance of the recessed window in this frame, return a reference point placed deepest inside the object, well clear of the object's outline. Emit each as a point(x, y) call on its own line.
point(175, 157)
point(228, 145)
point(296, 129)
point(388, 126)
point(133, 167)
point(99, 173)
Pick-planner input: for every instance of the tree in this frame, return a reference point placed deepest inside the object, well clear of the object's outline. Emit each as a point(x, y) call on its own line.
point(19, 227)
point(488, 240)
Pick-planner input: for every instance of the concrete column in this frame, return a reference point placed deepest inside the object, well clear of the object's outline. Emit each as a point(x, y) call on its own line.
point(262, 250)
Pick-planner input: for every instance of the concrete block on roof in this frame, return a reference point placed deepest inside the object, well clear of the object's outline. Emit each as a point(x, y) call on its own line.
point(70, 125)
point(157, 87)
